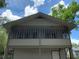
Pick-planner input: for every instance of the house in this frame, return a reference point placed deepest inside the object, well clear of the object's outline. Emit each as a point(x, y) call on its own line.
point(39, 36)
point(76, 52)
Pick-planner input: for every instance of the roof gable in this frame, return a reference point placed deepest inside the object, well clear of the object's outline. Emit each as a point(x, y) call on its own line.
point(35, 17)
point(39, 18)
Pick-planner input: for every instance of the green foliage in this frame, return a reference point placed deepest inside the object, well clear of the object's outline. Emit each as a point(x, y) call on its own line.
point(3, 35)
point(3, 39)
point(2, 3)
point(77, 22)
point(66, 14)
point(74, 45)
point(77, 57)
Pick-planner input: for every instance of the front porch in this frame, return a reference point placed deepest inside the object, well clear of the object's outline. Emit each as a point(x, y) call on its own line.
point(41, 53)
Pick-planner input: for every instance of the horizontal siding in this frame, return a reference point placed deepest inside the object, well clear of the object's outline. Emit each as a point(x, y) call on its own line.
point(39, 42)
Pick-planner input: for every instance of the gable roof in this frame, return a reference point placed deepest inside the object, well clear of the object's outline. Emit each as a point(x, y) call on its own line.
point(40, 15)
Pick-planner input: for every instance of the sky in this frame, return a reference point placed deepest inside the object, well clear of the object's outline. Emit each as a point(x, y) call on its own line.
point(17, 9)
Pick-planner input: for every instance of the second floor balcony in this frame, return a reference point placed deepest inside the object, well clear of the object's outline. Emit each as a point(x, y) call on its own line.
point(38, 33)
point(36, 36)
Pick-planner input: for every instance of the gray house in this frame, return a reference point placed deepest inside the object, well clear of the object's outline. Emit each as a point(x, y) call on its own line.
point(39, 36)
point(76, 52)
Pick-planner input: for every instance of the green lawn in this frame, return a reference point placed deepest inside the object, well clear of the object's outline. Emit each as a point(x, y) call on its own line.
point(77, 58)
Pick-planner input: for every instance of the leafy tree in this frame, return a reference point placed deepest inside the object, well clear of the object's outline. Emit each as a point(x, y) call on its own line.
point(3, 20)
point(74, 45)
point(66, 14)
point(2, 3)
point(3, 39)
point(3, 34)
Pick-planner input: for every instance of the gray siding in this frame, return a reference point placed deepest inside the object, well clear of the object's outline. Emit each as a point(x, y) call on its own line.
point(40, 42)
point(32, 54)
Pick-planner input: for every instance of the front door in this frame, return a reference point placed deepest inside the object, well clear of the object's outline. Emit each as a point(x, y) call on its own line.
point(55, 54)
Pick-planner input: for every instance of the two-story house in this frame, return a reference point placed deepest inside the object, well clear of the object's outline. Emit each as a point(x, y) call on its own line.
point(39, 36)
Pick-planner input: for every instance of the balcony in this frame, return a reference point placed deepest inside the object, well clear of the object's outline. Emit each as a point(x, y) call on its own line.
point(38, 33)
point(38, 36)
point(39, 42)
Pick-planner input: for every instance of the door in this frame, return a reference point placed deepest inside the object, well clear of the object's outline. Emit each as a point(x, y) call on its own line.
point(55, 54)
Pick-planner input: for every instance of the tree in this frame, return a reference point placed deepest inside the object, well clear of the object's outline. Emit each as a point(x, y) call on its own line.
point(3, 39)
point(4, 20)
point(66, 14)
point(3, 34)
point(2, 3)
point(74, 45)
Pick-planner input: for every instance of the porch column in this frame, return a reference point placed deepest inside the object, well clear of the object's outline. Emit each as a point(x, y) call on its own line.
point(5, 53)
point(71, 53)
